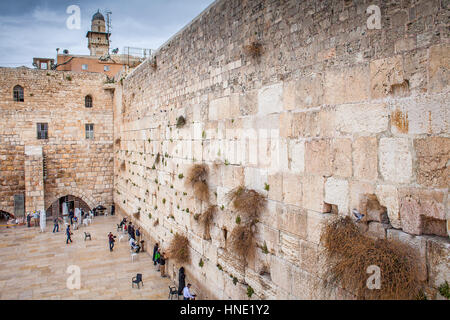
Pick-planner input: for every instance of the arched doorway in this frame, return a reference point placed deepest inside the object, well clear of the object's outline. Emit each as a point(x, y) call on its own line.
point(5, 216)
point(72, 202)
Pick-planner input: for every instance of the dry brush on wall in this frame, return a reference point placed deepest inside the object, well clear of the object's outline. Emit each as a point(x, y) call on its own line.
point(179, 249)
point(249, 203)
point(349, 254)
point(196, 178)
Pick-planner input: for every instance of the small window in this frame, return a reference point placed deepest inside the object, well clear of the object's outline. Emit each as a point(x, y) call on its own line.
point(84, 66)
point(18, 94)
point(106, 68)
point(44, 65)
point(90, 131)
point(42, 131)
point(88, 102)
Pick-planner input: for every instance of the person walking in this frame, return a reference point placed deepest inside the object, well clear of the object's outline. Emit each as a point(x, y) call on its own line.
point(162, 264)
point(68, 234)
point(55, 225)
point(111, 241)
point(155, 250)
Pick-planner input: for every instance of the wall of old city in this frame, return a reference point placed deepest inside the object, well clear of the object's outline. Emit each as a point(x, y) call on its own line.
point(330, 115)
point(75, 166)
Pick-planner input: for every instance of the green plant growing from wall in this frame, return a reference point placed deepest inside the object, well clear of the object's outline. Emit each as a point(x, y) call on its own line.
point(235, 280)
point(444, 290)
point(250, 291)
point(201, 263)
point(238, 220)
point(266, 187)
point(180, 176)
point(219, 267)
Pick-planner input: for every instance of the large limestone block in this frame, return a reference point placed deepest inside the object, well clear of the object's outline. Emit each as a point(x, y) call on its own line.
point(293, 220)
point(438, 258)
point(292, 189)
point(289, 248)
point(296, 156)
point(395, 160)
point(362, 118)
point(275, 182)
point(433, 154)
point(270, 99)
point(438, 68)
point(385, 73)
point(281, 273)
point(313, 193)
point(307, 92)
point(420, 115)
point(421, 210)
point(365, 158)
point(388, 197)
point(419, 246)
point(349, 85)
point(315, 224)
point(337, 192)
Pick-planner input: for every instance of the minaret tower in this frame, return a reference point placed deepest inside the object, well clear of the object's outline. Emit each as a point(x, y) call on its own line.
point(98, 38)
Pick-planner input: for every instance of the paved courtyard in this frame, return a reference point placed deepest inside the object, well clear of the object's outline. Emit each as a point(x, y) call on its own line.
point(33, 265)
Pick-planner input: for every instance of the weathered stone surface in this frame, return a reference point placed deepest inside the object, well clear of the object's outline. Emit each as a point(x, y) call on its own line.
point(416, 206)
point(270, 99)
point(365, 158)
point(352, 85)
point(419, 246)
point(384, 73)
point(292, 189)
point(313, 193)
point(294, 221)
point(438, 258)
point(337, 192)
point(433, 155)
point(361, 118)
point(438, 68)
point(387, 196)
point(395, 160)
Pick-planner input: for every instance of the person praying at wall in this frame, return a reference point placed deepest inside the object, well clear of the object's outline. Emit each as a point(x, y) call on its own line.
point(181, 281)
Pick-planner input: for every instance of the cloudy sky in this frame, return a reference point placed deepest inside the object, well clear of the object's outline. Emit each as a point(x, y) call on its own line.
point(35, 28)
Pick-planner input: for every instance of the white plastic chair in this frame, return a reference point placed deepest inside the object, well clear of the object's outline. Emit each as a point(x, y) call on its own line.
point(120, 237)
point(134, 255)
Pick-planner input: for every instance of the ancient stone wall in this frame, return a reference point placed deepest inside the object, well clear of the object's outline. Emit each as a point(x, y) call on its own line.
point(74, 165)
point(304, 103)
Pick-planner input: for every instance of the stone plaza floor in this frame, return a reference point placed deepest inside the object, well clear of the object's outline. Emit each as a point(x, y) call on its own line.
point(33, 265)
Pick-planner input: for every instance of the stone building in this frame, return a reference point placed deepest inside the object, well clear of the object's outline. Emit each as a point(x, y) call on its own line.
point(303, 101)
point(56, 139)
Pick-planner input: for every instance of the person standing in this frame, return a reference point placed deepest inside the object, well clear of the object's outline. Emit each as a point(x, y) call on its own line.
point(155, 250)
point(181, 281)
point(158, 258)
point(68, 234)
point(138, 234)
point(55, 225)
point(28, 219)
point(162, 264)
point(111, 241)
point(71, 216)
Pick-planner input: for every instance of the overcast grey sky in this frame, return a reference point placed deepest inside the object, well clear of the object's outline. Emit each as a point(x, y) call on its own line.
point(35, 28)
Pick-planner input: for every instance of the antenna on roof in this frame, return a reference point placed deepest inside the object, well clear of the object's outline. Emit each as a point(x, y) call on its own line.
point(108, 26)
